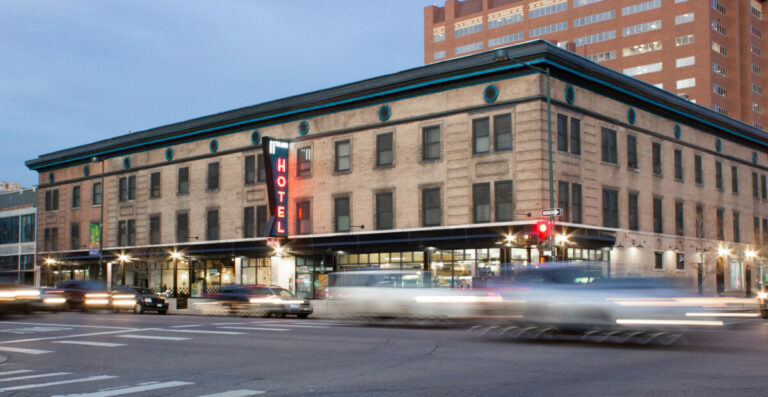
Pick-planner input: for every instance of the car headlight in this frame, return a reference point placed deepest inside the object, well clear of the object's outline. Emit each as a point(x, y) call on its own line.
point(147, 300)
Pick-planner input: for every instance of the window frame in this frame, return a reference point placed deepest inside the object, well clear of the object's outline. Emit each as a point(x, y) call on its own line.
point(425, 191)
point(481, 202)
point(339, 210)
point(212, 182)
point(381, 140)
point(427, 144)
point(155, 185)
point(337, 158)
point(182, 181)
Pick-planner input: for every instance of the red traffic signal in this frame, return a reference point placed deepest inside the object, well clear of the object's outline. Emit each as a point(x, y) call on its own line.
point(543, 230)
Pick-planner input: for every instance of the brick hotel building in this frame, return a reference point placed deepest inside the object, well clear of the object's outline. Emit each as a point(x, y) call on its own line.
point(443, 168)
point(707, 51)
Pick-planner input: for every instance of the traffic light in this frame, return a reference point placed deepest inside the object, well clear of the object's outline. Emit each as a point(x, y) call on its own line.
point(543, 230)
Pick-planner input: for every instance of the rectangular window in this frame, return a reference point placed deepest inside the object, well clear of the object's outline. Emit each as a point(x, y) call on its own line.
point(686, 61)
point(756, 50)
point(658, 260)
point(679, 218)
point(212, 224)
point(249, 219)
point(756, 230)
point(341, 214)
point(656, 158)
point(610, 208)
point(430, 144)
point(504, 201)
point(640, 7)
point(261, 221)
point(463, 49)
point(719, 69)
point(658, 224)
point(685, 40)
point(154, 229)
point(720, 109)
point(76, 196)
point(576, 203)
point(562, 133)
point(634, 223)
point(126, 233)
point(438, 54)
point(734, 179)
point(303, 217)
point(720, 49)
point(608, 140)
point(641, 28)
point(304, 161)
point(678, 165)
point(182, 227)
point(27, 228)
point(683, 18)
point(632, 152)
point(563, 199)
point(154, 185)
point(213, 176)
point(757, 70)
point(540, 31)
point(502, 132)
point(74, 236)
point(384, 211)
point(96, 194)
point(594, 18)
point(720, 224)
point(505, 17)
point(643, 69)
point(680, 261)
point(756, 31)
point(481, 202)
point(685, 83)
point(127, 188)
point(736, 227)
point(438, 34)
point(698, 178)
point(541, 8)
point(51, 239)
point(765, 231)
point(595, 38)
point(431, 214)
point(481, 136)
point(468, 27)
point(183, 183)
point(342, 163)
point(249, 169)
point(603, 56)
point(718, 6)
point(506, 39)
point(384, 153)
point(581, 3)
point(575, 136)
point(719, 90)
point(642, 48)
point(261, 169)
point(763, 188)
point(719, 28)
point(718, 175)
point(755, 192)
point(699, 221)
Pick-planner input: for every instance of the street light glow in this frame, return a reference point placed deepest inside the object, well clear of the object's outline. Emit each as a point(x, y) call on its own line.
point(176, 255)
point(722, 251)
point(751, 254)
point(123, 258)
point(50, 261)
point(561, 238)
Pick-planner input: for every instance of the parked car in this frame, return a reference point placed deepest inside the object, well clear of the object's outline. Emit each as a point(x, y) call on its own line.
point(265, 300)
point(85, 294)
point(138, 299)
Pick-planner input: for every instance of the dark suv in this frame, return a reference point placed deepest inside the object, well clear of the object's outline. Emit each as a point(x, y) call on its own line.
point(138, 299)
point(265, 300)
point(84, 294)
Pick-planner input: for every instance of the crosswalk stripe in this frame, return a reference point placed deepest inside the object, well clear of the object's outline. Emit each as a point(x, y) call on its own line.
point(25, 351)
point(129, 390)
point(19, 371)
point(153, 337)
point(74, 336)
point(294, 325)
point(195, 331)
point(228, 323)
point(87, 343)
point(257, 328)
point(186, 326)
point(236, 393)
point(34, 376)
point(61, 382)
point(65, 325)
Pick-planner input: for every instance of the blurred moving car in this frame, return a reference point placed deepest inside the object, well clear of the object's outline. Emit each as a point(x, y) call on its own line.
point(401, 294)
point(18, 298)
point(51, 300)
point(264, 300)
point(762, 302)
point(85, 294)
point(138, 299)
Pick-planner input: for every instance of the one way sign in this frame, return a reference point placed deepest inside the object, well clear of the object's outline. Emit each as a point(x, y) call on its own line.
point(551, 212)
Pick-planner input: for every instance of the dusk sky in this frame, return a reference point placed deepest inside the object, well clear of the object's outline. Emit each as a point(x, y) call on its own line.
point(74, 72)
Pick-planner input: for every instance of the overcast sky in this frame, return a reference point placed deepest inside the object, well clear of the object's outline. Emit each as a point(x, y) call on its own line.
point(74, 72)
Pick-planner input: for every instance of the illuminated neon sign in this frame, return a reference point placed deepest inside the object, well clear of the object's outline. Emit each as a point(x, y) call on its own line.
point(276, 164)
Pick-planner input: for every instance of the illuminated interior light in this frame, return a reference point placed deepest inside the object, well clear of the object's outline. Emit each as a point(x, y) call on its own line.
point(667, 322)
point(713, 314)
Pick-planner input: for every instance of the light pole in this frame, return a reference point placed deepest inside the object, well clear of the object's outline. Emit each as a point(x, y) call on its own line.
point(50, 262)
point(751, 255)
point(101, 215)
point(123, 258)
point(175, 256)
point(503, 55)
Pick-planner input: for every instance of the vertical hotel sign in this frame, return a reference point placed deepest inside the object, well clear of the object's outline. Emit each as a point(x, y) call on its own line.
point(276, 164)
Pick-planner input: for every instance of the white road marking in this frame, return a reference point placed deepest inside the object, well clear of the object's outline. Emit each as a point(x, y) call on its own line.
point(257, 328)
point(64, 325)
point(152, 337)
point(25, 351)
point(236, 393)
point(87, 343)
point(74, 336)
point(34, 376)
point(195, 331)
point(129, 390)
point(186, 326)
point(276, 324)
point(229, 323)
point(20, 371)
point(61, 382)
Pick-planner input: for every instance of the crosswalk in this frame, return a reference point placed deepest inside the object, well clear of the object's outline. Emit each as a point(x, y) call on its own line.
point(101, 385)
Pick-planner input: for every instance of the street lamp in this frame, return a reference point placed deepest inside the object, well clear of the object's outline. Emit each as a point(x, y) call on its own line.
point(502, 55)
point(123, 258)
point(50, 262)
point(175, 256)
point(101, 216)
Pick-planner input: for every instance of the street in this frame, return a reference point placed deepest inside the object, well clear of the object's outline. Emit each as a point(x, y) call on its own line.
point(101, 354)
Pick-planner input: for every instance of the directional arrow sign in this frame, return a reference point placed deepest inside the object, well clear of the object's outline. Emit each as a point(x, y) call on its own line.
point(551, 212)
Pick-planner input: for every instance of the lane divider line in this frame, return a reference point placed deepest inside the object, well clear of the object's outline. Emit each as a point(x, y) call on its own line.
point(130, 390)
point(61, 382)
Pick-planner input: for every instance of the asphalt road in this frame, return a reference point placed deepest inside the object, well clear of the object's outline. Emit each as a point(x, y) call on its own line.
point(102, 354)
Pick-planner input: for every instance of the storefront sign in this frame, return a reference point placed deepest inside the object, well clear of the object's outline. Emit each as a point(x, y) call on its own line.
point(276, 164)
point(95, 244)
